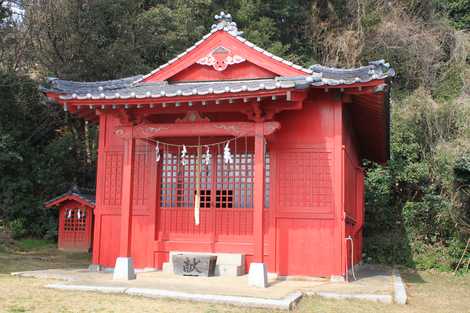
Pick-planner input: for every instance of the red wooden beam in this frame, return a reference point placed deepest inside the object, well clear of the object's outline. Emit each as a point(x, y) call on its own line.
point(238, 129)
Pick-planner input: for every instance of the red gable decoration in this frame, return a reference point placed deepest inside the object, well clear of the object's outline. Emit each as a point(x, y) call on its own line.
point(220, 58)
point(224, 55)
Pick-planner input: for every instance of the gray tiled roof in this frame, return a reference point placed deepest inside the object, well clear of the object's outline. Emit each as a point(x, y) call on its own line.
point(163, 89)
point(67, 86)
point(84, 194)
point(127, 88)
point(375, 69)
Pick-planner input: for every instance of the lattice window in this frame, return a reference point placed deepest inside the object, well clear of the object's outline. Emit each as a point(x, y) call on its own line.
point(178, 181)
point(205, 200)
point(234, 182)
point(69, 220)
point(305, 181)
point(75, 219)
point(267, 179)
point(224, 199)
point(223, 185)
point(113, 178)
point(81, 222)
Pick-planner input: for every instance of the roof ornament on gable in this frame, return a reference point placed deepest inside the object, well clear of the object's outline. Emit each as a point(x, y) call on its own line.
point(220, 58)
point(224, 21)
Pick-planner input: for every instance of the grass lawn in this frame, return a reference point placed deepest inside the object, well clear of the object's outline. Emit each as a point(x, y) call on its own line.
point(428, 292)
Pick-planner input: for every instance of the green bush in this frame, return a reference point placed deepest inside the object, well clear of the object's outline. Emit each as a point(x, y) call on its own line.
point(18, 228)
point(450, 84)
point(417, 206)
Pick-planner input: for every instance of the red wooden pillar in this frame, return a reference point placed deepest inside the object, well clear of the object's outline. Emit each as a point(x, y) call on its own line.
point(127, 195)
point(99, 193)
point(258, 193)
point(257, 275)
point(124, 268)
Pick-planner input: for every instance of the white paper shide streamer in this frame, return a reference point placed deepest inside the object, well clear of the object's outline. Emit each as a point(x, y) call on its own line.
point(228, 157)
point(184, 156)
point(206, 158)
point(157, 152)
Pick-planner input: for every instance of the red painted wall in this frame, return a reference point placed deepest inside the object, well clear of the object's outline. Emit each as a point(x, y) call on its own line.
point(308, 232)
point(353, 196)
point(109, 192)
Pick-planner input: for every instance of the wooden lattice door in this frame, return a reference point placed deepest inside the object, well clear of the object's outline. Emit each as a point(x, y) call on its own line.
point(75, 233)
point(226, 195)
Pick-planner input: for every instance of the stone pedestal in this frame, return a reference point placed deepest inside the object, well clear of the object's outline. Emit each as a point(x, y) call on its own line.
point(228, 264)
point(124, 269)
point(258, 276)
point(194, 264)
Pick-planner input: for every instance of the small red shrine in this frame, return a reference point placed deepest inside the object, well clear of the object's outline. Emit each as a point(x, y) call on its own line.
point(75, 220)
point(228, 148)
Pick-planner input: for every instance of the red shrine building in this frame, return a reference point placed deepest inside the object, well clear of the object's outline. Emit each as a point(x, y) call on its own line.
point(75, 219)
point(228, 148)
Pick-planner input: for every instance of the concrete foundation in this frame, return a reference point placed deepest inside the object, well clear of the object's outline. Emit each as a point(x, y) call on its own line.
point(399, 294)
point(374, 283)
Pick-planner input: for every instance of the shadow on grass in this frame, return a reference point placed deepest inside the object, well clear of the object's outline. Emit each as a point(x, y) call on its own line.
point(412, 276)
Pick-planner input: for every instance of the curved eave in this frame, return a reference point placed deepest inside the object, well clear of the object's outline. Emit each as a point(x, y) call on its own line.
point(169, 99)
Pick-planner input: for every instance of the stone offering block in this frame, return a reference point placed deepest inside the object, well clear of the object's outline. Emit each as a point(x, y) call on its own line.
point(194, 264)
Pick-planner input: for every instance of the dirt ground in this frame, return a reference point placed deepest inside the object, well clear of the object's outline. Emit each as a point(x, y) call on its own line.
point(427, 291)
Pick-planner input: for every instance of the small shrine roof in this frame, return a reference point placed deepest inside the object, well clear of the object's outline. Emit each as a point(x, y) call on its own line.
point(86, 197)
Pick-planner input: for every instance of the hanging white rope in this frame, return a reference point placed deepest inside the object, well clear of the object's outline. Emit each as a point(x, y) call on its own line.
point(206, 157)
point(228, 157)
point(194, 146)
